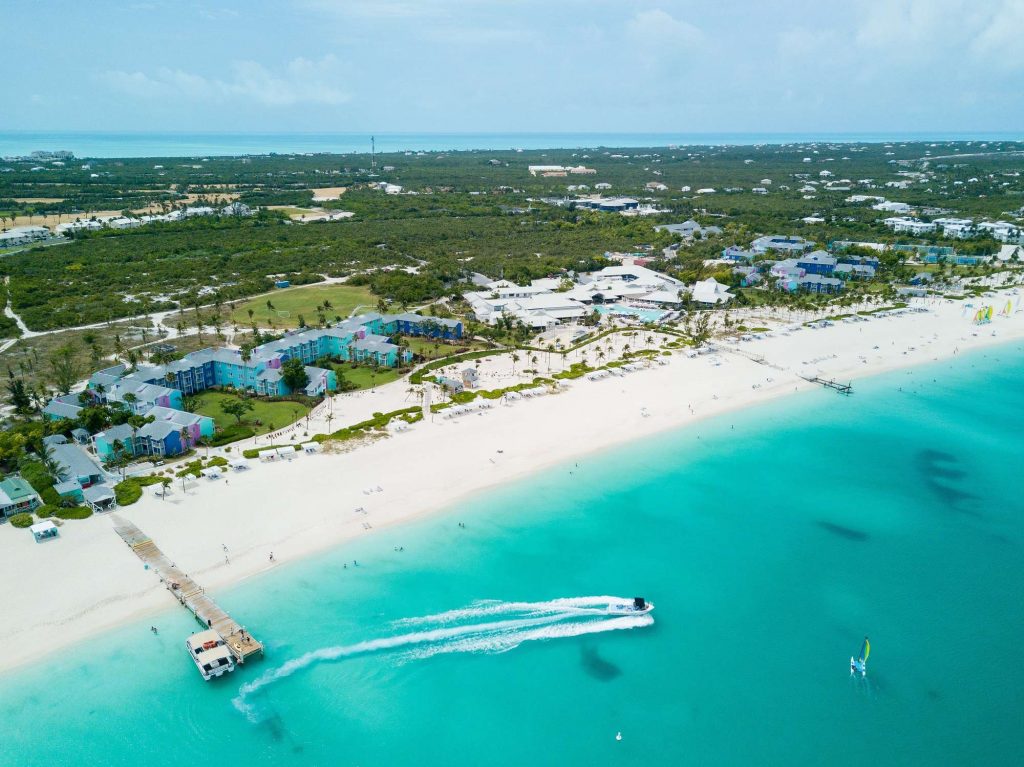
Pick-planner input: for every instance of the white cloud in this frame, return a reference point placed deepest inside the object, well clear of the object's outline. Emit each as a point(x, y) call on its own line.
point(657, 27)
point(302, 81)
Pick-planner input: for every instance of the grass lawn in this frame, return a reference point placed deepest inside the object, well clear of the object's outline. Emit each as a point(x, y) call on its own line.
point(425, 347)
point(289, 303)
point(364, 376)
point(271, 415)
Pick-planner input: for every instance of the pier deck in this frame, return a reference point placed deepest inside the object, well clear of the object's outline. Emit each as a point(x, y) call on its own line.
point(190, 594)
point(830, 384)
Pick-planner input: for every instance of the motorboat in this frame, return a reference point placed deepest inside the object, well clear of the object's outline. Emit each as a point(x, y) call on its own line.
point(638, 606)
point(210, 654)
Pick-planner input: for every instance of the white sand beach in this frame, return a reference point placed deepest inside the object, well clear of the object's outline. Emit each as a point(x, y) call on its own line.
point(88, 581)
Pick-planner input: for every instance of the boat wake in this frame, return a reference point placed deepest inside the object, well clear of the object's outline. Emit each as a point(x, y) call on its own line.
point(483, 627)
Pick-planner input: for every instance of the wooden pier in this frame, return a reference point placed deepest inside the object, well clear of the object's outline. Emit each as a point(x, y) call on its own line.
point(830, 384)
point(190, 594)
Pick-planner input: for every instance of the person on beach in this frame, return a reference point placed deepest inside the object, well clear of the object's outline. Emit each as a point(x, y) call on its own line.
point(271, 556)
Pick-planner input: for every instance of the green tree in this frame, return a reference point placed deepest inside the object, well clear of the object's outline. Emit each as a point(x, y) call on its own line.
point(293, 373)
point(237, 407)
point(64, 368)
point(19, 397)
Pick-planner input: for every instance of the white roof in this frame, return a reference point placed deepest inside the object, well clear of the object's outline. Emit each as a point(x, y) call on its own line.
point(42, 527)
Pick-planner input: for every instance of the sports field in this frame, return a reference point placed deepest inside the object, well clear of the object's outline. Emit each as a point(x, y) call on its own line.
point(287, 304)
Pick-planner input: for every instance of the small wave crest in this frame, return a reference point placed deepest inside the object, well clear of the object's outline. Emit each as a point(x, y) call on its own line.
point(463, 631)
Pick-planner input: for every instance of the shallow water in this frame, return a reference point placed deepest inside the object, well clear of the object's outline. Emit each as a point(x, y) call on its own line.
point(771, 542)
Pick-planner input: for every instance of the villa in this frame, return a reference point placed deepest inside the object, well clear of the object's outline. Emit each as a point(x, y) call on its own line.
point(909, 225)
point(818, 262)
point(736, 253)
point(710, 292)
point(17, 496)
point(170, 433)
point(812, 283)
point(74, 464)
point(23, 235)
point(781, 244)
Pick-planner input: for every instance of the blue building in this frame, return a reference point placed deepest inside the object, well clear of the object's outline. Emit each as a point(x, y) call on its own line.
point(417, 325)
point(818, 262)
point(736, 253)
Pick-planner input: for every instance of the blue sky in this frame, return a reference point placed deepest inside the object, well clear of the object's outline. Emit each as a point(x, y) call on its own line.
point(513, 65)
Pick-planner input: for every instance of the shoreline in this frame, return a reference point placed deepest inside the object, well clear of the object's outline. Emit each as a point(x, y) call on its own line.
point(87, 583)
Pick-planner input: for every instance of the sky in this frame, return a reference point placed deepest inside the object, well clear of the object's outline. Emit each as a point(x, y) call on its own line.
point(513, 65)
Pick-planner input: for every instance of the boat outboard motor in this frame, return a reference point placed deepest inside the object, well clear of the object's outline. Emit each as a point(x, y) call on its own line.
point(639, 603)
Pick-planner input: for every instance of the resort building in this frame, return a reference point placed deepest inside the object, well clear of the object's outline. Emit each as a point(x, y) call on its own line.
point(736, 253)
point(780, 244)
point(812, 283)
point(710, 292)
point(909, 225)
point(1003, 231)
point(544, 303)
point(688, 230)
point(863, 271)
point(171, 432)
point(23, 235)
point(74, 464)
point(17, 496)
point(818, 262)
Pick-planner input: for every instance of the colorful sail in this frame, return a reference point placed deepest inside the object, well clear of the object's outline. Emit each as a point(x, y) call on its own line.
point(865, 650)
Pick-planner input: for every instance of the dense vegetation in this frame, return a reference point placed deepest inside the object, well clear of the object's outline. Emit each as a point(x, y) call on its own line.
point(472, 212)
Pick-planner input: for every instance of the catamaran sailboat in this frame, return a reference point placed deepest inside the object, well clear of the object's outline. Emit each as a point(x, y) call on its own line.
point(859, 665)
point(637, 607)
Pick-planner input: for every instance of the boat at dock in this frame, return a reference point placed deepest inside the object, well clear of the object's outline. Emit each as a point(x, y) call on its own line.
point(210, 654)
point(638, 606)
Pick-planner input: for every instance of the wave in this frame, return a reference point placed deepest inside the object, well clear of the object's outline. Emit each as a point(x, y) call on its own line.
point(485, 607)
point(533, 621)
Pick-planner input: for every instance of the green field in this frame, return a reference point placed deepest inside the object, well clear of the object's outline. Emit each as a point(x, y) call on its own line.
point(289, 303)
point(270, 415)
point(364, 376)
point(432, 350)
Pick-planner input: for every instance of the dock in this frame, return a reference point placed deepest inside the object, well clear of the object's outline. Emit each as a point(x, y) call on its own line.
point(830, 384)
point(190, 594)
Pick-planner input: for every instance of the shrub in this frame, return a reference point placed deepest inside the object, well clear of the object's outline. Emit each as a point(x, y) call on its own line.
point(21, 520)
point(129, 490)
point(232, 433)
point(46, 510)
point(76, 512)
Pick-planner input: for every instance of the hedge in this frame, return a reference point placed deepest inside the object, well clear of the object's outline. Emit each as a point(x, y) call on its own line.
point(378, 423)
point(417, 377)
point(76, 512)
point(232, 433)
point(129, 490)
point(46, 510)
point(21, 520)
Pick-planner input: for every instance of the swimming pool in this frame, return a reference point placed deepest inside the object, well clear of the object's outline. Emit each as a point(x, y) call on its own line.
point(644, 315)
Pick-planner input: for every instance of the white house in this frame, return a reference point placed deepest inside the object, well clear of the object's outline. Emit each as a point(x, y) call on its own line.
point(22, 235)
point(711, 292)
point(909, 225)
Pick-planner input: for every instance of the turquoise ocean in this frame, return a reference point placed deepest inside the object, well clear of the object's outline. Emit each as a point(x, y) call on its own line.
point(771, 541)
point(180, 144)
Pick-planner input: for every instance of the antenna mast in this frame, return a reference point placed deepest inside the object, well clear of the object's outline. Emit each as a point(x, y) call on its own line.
point(373, 152)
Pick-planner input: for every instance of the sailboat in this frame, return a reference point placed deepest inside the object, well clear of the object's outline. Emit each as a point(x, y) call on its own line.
point(859, 665)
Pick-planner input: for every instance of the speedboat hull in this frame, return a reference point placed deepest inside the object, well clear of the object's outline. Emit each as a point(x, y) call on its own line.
point(630, 608)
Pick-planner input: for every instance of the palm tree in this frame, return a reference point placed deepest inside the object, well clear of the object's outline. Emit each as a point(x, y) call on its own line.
point(130, 399)
point(245, 352)
point(186, 437)
point(515, 359)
